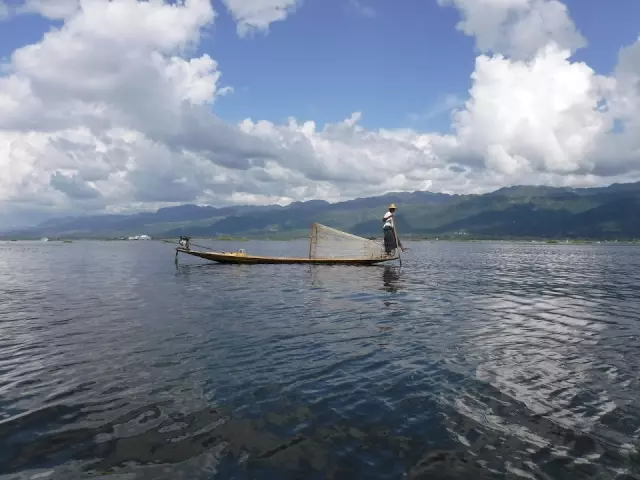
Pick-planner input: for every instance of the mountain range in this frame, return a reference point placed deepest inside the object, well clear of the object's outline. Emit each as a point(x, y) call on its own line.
point(610, 212)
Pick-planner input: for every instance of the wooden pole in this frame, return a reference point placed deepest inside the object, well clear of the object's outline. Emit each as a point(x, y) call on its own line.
point(313, 230)
point(395, 233)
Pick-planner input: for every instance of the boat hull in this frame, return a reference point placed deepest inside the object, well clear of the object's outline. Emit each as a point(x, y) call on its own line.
point(235, 258)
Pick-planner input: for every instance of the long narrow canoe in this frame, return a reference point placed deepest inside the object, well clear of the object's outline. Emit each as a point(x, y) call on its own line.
point(322, 239)
point(243, 258)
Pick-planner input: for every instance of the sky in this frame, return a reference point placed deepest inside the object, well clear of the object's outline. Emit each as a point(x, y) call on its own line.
point(122, 106)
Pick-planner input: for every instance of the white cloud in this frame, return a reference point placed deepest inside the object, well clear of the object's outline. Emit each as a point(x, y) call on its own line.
point(51, 9)
point(113, 112)
point(517, 28)
point(361, 8)
point(257, 15)
point(535, 116)
point(4, 10)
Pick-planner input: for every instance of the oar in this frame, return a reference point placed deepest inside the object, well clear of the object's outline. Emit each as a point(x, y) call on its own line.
point(190, 244)
point(395, 233)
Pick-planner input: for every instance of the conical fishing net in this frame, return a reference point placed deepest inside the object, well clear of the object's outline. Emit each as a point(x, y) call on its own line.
point(327, 242)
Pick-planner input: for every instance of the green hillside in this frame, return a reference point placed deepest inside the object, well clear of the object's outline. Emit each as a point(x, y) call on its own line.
point(514, 212)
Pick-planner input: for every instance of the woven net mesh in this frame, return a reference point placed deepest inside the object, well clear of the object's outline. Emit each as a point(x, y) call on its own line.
point(327, 242)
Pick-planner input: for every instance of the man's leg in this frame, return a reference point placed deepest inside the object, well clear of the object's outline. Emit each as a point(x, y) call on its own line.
point(389, 241)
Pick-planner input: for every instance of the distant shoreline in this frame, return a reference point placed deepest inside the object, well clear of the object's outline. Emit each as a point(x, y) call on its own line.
point(406, 238)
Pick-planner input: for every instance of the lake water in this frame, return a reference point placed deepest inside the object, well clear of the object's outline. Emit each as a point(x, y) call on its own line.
point(472, 360)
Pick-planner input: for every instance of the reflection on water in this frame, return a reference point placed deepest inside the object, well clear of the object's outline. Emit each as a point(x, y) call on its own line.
point(391, 279)
point(469, 361)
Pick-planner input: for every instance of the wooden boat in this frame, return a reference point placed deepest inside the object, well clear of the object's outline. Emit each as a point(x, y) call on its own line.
point(244, 258)
point(344, 249)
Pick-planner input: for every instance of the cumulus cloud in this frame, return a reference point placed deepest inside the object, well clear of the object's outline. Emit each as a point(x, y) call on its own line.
point(534, 116)
point(517, 28)
point(256, 15)
point(114, 111)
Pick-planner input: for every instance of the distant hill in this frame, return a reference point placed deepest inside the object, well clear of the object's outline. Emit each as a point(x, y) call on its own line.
point(511, 212)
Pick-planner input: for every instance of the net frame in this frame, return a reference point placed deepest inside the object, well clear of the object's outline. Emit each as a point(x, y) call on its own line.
point(328, 242)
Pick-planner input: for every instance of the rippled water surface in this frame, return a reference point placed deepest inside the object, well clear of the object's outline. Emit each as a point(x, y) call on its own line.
point(472, 360)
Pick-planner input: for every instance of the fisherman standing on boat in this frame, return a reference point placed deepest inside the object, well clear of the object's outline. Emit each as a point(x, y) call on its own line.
point(391, 242)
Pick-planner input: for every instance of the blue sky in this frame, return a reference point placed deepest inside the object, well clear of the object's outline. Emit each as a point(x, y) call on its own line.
point(328, 60)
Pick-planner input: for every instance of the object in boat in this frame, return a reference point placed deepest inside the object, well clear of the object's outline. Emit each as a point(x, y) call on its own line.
point(327, 246)
point(184, 242)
